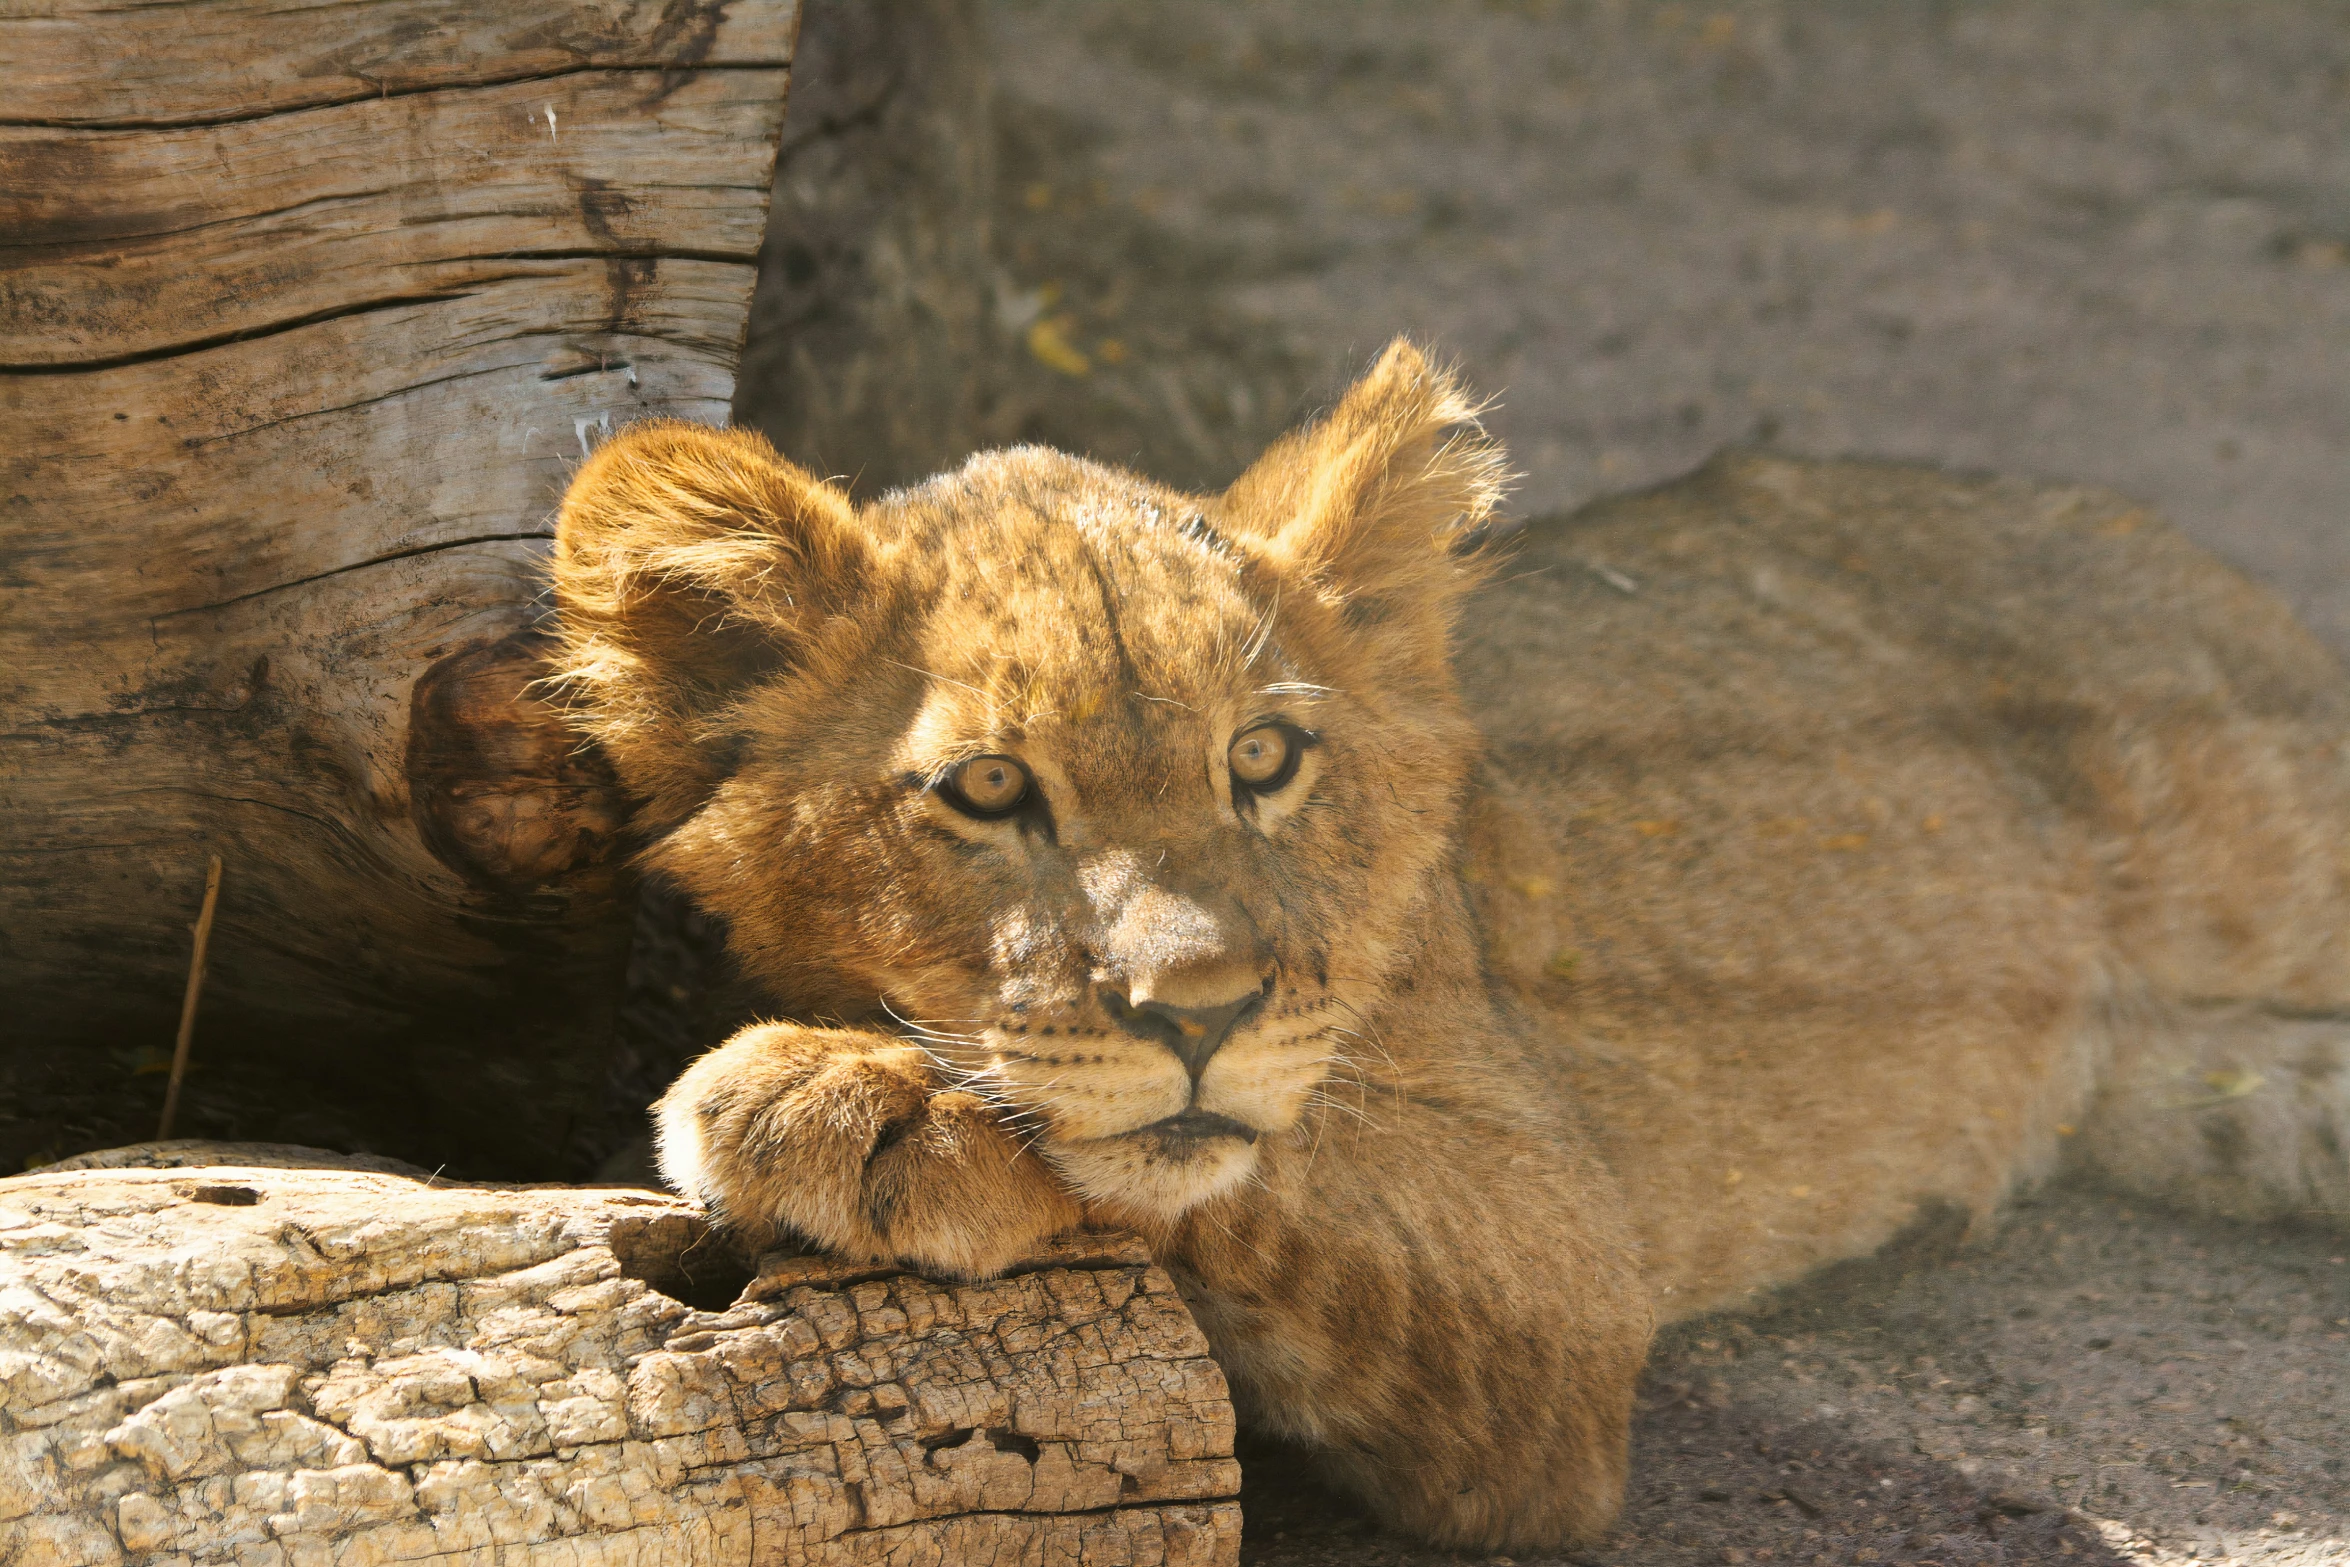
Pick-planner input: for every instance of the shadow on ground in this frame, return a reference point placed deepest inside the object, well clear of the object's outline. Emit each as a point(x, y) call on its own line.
point(2096, 1383)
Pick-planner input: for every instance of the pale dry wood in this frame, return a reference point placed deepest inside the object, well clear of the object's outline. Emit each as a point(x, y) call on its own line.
point(278, 1367)
point(289, 401)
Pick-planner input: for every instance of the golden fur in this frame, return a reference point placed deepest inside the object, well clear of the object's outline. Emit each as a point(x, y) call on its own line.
point(1752, 863)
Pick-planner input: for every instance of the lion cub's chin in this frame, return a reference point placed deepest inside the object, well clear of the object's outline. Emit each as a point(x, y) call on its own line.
point(1151, 1173)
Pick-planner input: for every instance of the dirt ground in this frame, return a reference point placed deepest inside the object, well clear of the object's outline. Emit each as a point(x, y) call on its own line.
point(2097, 1383)
point(2088, 239)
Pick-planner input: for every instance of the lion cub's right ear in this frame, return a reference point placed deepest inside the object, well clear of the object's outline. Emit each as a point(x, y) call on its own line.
point(689, 563)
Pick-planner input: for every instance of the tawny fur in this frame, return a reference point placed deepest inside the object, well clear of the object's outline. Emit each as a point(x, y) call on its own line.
point(1760, 860)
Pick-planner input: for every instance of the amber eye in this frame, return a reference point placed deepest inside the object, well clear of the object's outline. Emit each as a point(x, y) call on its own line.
point(988, 785)
point(1263, 759)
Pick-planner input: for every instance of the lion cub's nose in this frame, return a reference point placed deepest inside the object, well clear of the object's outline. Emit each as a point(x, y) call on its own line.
point(1193, 1033)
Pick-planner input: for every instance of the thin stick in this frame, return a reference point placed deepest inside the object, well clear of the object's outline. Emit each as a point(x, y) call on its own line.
point(179, 1052)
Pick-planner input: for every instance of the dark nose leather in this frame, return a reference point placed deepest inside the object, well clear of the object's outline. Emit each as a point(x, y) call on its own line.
point(1194, 1033)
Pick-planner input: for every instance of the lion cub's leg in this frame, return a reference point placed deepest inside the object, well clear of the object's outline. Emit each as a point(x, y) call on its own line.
point(848, 1139)
point(2234, 1110)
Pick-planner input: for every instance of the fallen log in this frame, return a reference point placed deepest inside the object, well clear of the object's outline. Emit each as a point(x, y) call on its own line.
point(287, 1367)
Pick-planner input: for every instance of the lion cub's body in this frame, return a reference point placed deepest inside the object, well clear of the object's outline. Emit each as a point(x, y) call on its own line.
point(1852, 826)
point(1754, 862)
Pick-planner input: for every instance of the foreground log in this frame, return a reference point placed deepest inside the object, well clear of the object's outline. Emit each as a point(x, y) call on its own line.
point(297, 1366)
point(304, 318)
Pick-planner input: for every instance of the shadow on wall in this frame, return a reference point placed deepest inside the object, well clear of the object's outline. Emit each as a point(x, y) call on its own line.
point(944, 271)
point(866, 348)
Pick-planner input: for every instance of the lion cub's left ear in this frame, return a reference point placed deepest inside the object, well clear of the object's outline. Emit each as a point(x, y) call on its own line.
point(690, 563)
point(1381, 505)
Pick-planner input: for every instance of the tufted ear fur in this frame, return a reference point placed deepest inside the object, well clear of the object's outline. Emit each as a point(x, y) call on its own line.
point(690, 562)
point(1383, 504)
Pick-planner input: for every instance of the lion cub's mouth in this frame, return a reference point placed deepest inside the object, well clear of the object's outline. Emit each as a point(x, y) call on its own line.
point(1197, 1126)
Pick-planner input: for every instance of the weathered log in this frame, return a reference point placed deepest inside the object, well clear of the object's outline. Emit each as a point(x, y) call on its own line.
point(304, 317)
point(296, 1366)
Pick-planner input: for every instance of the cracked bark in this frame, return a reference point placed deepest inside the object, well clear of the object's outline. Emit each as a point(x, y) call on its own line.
point(304, 318)
point(280, 1367)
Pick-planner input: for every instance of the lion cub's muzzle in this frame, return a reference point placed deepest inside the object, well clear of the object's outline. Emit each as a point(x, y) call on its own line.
point(1194, 1034)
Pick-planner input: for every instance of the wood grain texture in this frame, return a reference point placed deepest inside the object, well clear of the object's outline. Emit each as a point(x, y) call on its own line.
point(95, 63)
point(244, 1362)
point(134, 244)
point(291, 377)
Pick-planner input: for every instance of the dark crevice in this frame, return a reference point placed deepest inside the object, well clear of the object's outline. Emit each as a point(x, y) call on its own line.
point(100, 720)
point(845, 1275)
point(250, 334)
point(19, 250)
point(732, 258)
point(360, 565)
point(230, 339)
point(334, 827)
point(303, 1308)
point(375, 95)
point(195, 442)
point(617, 363)
point(225, 1196)
point(1033, 1517)
point(22, 251)
point(1004, 1440)
point(600, 367)
point(680, 1256)
point(1001, 1438)
point(831, 1281)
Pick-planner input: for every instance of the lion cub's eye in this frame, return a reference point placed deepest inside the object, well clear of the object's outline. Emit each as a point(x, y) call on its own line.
point(987, 785)
point(1264, 759)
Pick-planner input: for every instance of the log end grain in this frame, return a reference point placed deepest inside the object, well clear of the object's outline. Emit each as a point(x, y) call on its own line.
point(502, 791)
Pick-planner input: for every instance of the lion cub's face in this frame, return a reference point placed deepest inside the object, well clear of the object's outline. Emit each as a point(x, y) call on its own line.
point(1117, 799)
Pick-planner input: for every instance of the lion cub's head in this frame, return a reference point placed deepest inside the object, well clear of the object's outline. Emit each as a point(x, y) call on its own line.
point(1118, 799)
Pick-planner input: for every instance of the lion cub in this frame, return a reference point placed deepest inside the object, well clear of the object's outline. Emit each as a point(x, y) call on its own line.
point(1451, 974)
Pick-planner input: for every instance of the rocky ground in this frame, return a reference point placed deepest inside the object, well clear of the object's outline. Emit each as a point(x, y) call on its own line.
point(2090, 239)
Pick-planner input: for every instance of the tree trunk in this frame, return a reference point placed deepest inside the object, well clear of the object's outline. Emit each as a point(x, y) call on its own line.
point(279, 1367)
point(304, 318)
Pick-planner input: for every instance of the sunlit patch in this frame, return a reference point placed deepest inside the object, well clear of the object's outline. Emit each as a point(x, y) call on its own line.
point(1071, 1091)
point(1121, 1117)
point(1067, 791)
point(1159, 1171)
point(1267, 1083)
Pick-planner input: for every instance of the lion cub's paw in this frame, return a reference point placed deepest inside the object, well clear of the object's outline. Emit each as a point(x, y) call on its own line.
point(847, 1139)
